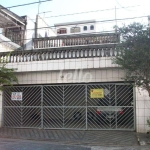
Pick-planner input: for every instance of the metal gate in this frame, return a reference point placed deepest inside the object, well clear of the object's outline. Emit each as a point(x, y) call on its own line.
point(70, 107)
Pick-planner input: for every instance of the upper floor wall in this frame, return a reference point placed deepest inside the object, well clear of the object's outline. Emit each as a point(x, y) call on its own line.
point(78, 27)
point(42, 29)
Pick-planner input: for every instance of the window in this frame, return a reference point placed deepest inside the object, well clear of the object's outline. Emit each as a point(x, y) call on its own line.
point(75, 29)
point(85, 28)
point(91, 27)
point(62, 31)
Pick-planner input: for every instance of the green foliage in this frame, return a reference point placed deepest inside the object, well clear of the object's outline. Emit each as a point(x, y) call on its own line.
point(7, 75)
point(134, 54)
point(148, 122)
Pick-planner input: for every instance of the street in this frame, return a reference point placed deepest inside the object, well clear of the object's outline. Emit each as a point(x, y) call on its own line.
point(18, 144)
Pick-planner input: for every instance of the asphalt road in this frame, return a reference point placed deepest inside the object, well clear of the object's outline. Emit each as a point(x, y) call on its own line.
point(17, 144)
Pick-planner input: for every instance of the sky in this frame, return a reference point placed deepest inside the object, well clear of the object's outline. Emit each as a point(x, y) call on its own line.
point(61, 7)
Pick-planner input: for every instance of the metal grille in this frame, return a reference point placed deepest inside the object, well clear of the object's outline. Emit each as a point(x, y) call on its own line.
point(71, 107)
point(74, 106)
point(25, 113)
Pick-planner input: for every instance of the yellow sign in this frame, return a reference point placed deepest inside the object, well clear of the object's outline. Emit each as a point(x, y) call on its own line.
point(97, 93)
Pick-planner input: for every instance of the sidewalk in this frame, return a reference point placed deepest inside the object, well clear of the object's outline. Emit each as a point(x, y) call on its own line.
point(75, 137)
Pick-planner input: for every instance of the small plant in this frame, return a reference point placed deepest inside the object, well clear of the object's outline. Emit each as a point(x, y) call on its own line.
point(148, 122)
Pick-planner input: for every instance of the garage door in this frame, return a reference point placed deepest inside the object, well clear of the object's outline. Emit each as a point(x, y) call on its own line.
point(88, 106)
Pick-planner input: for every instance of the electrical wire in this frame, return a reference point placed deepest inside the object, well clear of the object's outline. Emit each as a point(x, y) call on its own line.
point(25, 4)
point(84, 23)
point(43, 13)
point(122, 6)
point(99, 21)
point(91, 11)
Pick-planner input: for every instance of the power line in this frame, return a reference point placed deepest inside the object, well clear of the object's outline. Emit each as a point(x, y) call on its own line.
point(84, 33)
point(122, 6)
point(100, 21)
point(44, 12)
point(91, 11)
point(25, 4)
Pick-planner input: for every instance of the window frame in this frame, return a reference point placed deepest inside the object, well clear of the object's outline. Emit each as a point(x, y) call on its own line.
point(61, 31)
point(84, 28)
point(92, 27)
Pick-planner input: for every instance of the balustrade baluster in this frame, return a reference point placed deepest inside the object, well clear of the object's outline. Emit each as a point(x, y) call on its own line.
point(30, 59)
point(9, 58)
point(81, 53)
point(1, 58)
point(19, 57)
point(48, 58)
point(33, 56)
point(73, 54)
point(61, 54)
point(50, 55)
point(94, 52)
point(56, 54)
point(13, 58)
point(48, 43)
point(86, 53)
point(97, 52)
point(69, 54)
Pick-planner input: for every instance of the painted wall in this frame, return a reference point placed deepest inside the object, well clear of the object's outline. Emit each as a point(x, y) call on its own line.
point(142, 110)
point(43, 29)
point(30, 33)
point(7, 46)
point(91, 70)
point(1, 112)
point(68, 27)
point(4, 48)
point(63, 64)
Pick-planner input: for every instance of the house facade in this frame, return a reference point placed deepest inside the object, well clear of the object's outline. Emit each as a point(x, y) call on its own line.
point(69, 81)
point(78, 27)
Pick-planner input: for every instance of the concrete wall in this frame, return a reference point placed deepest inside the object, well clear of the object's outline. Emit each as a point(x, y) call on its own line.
point(41, 31)
point(30, 33)
point(91, 70)
point(4, 48)
point(71, 76)
point(63, 64)
point(1, 115)
point(68, 27)
point(142, 110)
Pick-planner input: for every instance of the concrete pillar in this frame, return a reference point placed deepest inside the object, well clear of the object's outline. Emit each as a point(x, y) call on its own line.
point(1, 115)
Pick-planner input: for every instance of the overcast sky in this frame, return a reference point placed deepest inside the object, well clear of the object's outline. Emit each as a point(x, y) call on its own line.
point(61, 7)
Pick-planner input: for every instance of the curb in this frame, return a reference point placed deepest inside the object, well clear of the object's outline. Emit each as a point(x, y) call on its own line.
point(142, 142)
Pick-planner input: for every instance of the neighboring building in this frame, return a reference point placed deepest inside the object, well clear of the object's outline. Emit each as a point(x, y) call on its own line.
point(22, 30)
point(77, 27)
point(7, 45)
point(13, 26)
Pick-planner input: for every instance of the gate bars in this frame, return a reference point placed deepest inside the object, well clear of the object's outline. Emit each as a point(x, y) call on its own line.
point(70, 107)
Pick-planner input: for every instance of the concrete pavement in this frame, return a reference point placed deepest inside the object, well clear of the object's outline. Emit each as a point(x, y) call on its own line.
point(19, 144)
point(75, 137)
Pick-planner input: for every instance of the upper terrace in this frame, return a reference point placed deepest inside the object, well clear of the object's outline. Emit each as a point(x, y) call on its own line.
point(76, 40)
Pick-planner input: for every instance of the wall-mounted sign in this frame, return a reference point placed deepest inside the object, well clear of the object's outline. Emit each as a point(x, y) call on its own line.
point(97, 93)
point(16, 96)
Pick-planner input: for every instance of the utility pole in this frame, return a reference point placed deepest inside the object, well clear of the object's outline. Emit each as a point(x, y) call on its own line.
point(115, 20)
point(39, 7)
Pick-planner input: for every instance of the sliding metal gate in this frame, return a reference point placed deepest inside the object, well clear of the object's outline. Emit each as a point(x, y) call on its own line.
point(70, 107)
